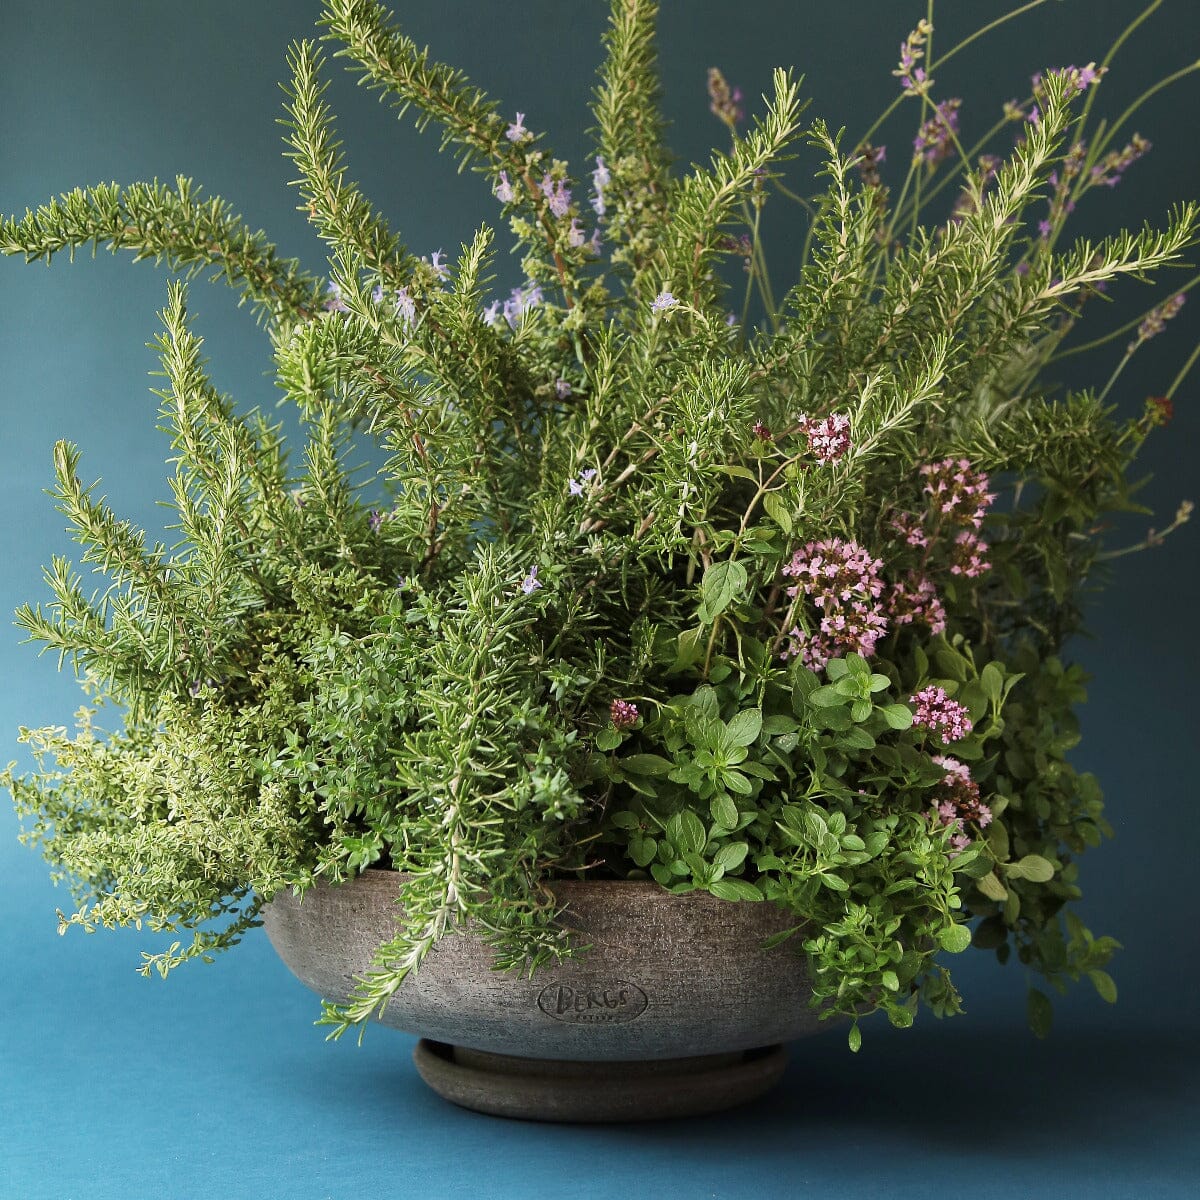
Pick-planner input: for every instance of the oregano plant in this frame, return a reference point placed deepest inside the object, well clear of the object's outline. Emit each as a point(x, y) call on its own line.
point(644, 588)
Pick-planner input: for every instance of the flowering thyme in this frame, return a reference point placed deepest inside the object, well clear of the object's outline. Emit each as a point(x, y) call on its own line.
point(828, 437)
point(957, 801)
point(914, 598)
point(623, 714)
point(958, 492)
point(842, 580)
point(934, 710)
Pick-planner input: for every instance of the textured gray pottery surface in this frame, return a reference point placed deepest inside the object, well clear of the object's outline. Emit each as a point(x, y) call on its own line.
point(667, 977)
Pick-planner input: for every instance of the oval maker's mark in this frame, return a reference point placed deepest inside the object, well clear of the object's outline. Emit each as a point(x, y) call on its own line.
point(605, 1003)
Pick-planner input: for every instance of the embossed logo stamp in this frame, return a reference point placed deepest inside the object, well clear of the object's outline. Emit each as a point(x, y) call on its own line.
point(607, 1002)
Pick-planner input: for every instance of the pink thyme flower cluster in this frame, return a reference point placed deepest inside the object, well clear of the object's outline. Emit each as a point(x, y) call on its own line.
point(624, 715)
point(915, 598)
point(843, 581)
point(960, 497)
point(828, 437)
point(935, 139)
point(909, 527)
point(958, 794)
point(935, 711)
point(968, 555)
point(912, 78)
point(959, 493)
point(958, 801)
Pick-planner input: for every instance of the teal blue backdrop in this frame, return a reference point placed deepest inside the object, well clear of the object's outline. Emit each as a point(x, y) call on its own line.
point(216, 1084)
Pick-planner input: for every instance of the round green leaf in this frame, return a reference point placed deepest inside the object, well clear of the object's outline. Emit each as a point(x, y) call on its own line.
point(955, 938)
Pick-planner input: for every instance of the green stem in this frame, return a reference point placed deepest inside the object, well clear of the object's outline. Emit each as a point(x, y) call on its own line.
point(1183, 372)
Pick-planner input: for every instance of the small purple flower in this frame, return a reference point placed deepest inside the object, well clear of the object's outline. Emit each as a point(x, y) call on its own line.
point(623, 714)
point(575, 236)
point(406, 308)
point(517, 132)
point(375, 520)
point(576, 487)
point(491, 314)
point(594, 241)
point(601, 178)
point(435, 261)
point(334, 301)
point(377, 293)
point(724, 102)
point(935, 139)
point(562, 388)
point(520, 301)
point(912, 78)
point(531, 583)
point(503, 190)
point(663, 302)
point(1044, 229)
point(558, 195)
point(1116, 162)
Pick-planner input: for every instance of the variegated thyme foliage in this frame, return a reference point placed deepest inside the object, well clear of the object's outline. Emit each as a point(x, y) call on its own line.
point(642, 592)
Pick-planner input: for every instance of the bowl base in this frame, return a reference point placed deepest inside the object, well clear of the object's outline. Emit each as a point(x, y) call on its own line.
point(542, 1089)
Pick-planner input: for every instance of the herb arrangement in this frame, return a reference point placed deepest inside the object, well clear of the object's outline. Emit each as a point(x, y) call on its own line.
point(644, 589)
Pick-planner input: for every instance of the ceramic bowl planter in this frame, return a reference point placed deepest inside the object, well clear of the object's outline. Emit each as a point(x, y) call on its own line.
point(675, 1010)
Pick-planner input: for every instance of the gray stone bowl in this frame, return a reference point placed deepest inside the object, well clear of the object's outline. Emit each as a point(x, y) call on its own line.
point(675, 1009)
